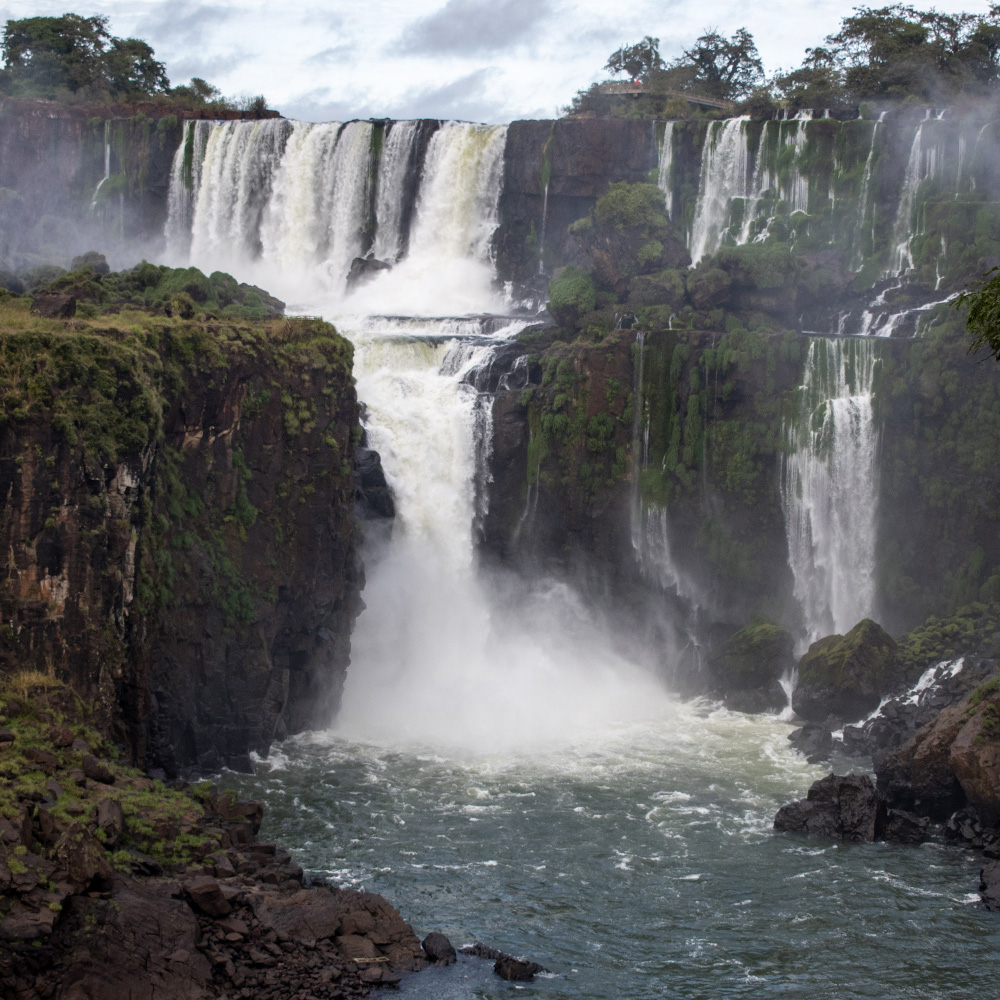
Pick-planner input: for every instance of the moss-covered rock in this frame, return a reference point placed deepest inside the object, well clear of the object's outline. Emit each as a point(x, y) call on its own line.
point(748, 667)
point(846, 676)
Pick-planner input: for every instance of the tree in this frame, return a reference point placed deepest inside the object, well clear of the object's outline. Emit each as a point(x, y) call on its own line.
point(637, 60)
point(983, 320)
point(898, 50)
point(727, 68)
point(44, 56)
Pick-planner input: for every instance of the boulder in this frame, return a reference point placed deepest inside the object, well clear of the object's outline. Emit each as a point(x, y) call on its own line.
point(902, 827)
point(813, 741)
point(439, 949)
point(514, 970)
point(950, 762)
point(97, 770)
point(751, 662)
point(308, 916)
point(363, 269)
point(110, 820)
point(54, 305)
point(989, 885)
point(839, 806)
point(206, 895)
point(847, 675)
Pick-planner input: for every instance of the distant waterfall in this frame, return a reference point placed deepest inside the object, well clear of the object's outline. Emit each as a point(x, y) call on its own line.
point(665, 170)
point(650, 522)
point(925, 161)
point(829, 491)
point(291, 204)
point(724, 171)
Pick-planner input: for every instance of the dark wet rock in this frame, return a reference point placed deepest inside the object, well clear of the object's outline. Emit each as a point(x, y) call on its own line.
point(6, 736)
point(989, 885)
point(439, 949)
point(54, 305)
point(814, 741)
point(846, 675)
point(514, 970)
point(373, 497)
point(363, 269)
point(840, 807)
point(43, 758)
point(506, 966)
point(899, 719)
point(902, 827)
point(749, 665)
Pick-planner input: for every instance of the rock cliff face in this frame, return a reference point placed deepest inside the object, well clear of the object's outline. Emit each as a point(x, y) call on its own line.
point(177, 504)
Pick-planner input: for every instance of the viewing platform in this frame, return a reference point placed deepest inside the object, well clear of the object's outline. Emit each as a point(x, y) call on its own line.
point(630, 89)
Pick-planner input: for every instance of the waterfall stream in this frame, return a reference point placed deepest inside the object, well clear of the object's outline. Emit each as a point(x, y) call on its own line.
point(829, 487)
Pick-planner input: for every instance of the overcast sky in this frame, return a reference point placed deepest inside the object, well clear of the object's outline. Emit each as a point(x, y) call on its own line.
point(478, 60)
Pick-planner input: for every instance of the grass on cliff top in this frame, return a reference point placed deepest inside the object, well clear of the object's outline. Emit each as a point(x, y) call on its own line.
point(162, 823)
point(103, 380)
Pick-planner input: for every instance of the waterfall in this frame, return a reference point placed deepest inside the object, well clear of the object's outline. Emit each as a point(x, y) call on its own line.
point(864, 209)
point(924, 162)
point(185, 183)
point(390, 202)
point(107, 165)
point(650, 522)
point(724, 168)
point(828, 488)
point(235, 185)
point(665, 171)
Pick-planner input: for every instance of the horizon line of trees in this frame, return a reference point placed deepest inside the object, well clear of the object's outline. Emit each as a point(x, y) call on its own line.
point(76, 58)
point(886, 53)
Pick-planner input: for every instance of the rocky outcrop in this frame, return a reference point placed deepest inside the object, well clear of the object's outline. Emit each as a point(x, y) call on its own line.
point(554, 172)
point(951, 762)
point(117, 886)
point(845, 676)
point(178, 509)
point(839, 807)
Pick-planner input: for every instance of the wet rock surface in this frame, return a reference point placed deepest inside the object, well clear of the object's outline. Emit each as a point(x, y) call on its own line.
point(840, 807)
point(505, 966)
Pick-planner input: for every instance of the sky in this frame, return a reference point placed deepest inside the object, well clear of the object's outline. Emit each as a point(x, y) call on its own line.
point(475, 60)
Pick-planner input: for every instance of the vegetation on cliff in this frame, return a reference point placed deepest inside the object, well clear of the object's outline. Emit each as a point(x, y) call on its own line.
point(172, 481)
point(887, 54)
point(75, 58)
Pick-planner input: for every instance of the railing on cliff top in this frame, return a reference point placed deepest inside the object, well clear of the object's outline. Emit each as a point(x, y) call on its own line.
point(627, 89)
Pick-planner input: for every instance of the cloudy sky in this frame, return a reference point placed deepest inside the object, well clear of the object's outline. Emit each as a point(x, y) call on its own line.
point(478, 60)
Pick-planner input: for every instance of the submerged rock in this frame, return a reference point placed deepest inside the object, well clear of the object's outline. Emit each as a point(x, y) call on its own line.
point(846, 675)
point(363, 269)
point(505, 966)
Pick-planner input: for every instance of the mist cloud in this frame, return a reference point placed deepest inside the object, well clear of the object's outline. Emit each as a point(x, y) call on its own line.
point(465, 26)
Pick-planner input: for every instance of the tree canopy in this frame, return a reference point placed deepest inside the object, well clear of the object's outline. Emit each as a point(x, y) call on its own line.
point(983, 319)
point(637, 60)
point(727, 68)
point(44, 56)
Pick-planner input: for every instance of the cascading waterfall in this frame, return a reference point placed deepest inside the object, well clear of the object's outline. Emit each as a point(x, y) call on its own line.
point(185, 183)
point(829, 487)
point(724, 169)
point(394, 167)
point(924, 162)
point(236, 175)
point(107, 165)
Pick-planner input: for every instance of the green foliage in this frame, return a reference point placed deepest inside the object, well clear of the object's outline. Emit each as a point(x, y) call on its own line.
point(970, 631)
point(46, 56)
point(727, 68)
point(571, 295)
point(755, 656)
point(637, 60)
point(982, 300)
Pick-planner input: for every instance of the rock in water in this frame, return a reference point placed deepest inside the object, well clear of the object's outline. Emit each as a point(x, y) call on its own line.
point(363, 269)
point(514, 970)
point(839, 806)
point(813, 741)
point(846, 675)
point(439, 949)
point(989, 885)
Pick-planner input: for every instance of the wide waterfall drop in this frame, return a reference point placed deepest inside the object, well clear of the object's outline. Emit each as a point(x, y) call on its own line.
point(394, 167)
point(829, 488)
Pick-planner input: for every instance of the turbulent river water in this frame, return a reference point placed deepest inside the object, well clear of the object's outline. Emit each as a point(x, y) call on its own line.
point(500, 770)
point(632, 860)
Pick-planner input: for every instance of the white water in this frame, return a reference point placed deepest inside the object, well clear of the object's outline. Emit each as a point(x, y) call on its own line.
point(925, 161)
point(394, 167)
point(724, 170)
point(665, 170)
point(829, 487)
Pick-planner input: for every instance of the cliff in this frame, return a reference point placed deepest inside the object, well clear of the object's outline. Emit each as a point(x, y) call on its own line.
point(177, 503)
